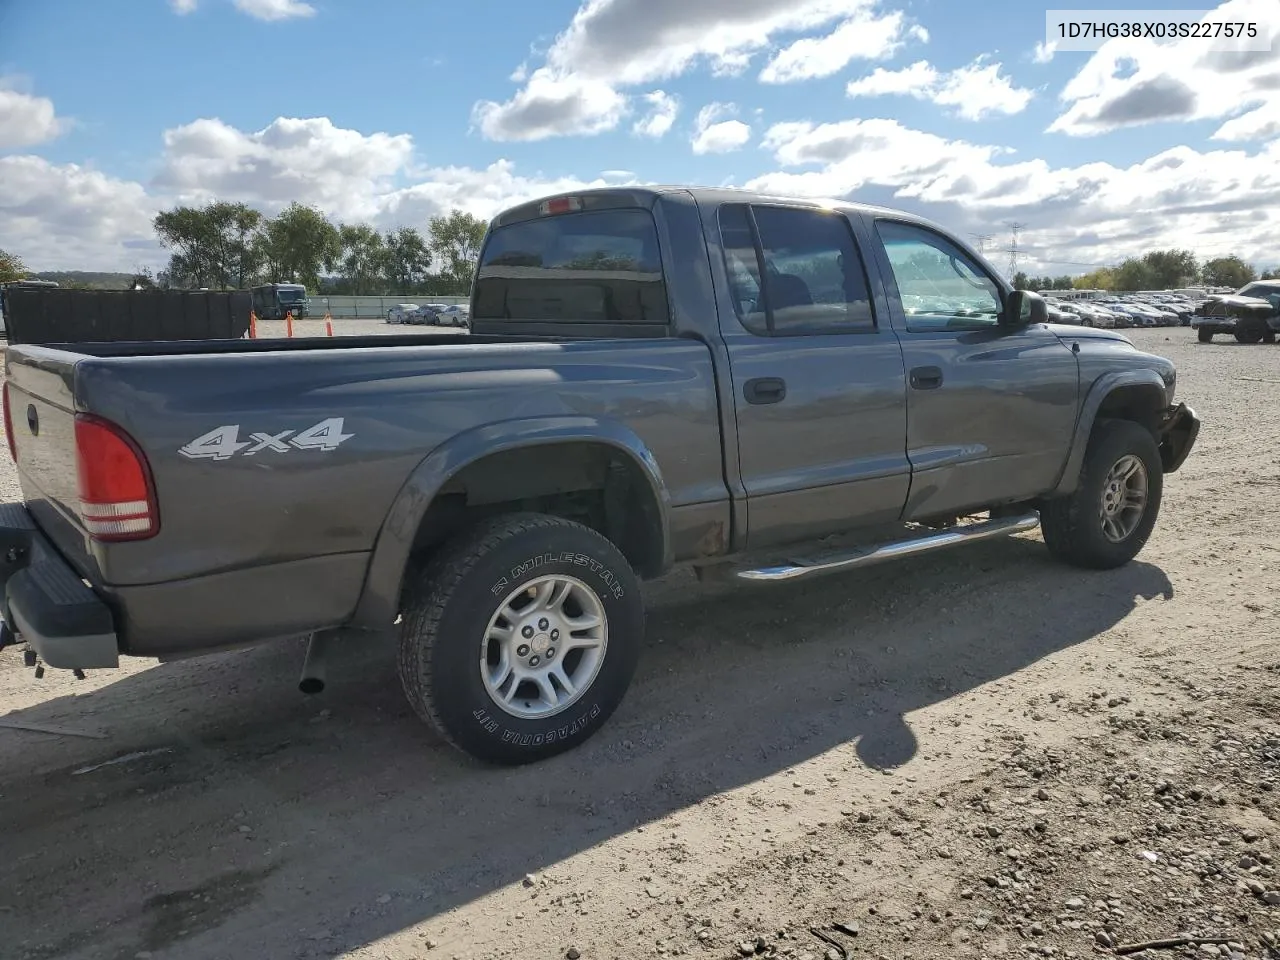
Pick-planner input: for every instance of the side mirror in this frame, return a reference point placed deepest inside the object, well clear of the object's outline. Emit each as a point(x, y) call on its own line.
point(1023, 307)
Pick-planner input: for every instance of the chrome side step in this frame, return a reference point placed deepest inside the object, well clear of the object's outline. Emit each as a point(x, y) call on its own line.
point(865, 556)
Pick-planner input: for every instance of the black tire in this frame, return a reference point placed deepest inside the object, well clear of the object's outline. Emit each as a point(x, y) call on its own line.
point(1204, 335)
point(1250, 331)
point(1072, 525)
point(1268, 336)
point(448, 606)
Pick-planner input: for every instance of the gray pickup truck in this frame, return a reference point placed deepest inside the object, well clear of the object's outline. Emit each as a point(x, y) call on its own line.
point(653, 377)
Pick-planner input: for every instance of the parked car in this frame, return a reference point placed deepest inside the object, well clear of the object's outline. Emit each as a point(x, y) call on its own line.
point(424, 315)
point(454, 315)
point(493, 499)
point(401, 312)
point(1251, 314)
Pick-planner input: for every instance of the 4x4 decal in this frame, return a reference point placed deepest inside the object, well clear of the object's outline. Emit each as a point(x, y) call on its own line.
point(224, 442)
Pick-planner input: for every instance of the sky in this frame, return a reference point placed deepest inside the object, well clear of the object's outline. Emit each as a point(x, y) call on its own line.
point(392, 111)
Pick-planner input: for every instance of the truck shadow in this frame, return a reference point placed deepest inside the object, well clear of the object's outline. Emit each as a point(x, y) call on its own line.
point(369, 825)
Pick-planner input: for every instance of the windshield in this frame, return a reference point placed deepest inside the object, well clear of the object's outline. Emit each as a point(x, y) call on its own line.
point(291, 295)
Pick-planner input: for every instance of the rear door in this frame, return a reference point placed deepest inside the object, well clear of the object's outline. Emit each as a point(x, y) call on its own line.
point(819, 392)
point(991, 409)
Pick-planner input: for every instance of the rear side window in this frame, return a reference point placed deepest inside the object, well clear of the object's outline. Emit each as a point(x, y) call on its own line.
point(794, 272)
point(600, 267)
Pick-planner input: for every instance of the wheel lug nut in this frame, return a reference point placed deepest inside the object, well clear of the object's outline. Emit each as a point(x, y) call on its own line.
point(522, 650)
point(555, 634)
point(534, 661)
point(551, 652)
point(544, 623)
point(527, 632)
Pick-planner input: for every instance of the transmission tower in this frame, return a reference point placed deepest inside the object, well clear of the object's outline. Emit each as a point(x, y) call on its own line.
point(983, 239)
point(1014, 227)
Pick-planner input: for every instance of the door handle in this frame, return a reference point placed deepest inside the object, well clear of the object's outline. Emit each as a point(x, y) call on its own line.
point(926, 378)
point(764, 390)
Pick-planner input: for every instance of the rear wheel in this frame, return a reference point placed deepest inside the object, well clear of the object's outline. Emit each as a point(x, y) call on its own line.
point(1204, 334)
point(1111, 514)
point(520, 637)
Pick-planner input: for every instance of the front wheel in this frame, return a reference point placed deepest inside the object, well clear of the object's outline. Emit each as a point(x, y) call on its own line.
point(1110, 516)
point(1250, 331)
point(1204, 334)
point(520, 637)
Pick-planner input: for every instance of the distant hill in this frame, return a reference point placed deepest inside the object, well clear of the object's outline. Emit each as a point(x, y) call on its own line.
point(88, 278)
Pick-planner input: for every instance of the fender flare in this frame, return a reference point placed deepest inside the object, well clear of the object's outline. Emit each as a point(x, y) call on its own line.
point(1102, 388)
point(380, 596)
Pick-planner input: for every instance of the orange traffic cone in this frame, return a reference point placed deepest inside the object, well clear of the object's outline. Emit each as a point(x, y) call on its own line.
point(253, 325)
point(328, 328)
point(288, 324)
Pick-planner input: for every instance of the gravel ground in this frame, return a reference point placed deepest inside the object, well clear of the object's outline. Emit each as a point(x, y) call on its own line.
point(979, 754)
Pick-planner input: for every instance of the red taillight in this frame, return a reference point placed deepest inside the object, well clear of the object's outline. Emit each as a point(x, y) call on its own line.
point(8, 424)
point(117, 500)
point(560, 205)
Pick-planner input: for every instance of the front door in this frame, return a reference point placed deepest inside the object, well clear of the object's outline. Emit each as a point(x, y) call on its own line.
point(991, 409)
point(819, 393)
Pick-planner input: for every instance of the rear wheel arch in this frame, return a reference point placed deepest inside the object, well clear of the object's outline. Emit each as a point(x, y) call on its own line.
point(594, 471)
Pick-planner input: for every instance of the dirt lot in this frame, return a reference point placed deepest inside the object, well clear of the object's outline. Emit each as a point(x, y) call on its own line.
point(977, 754)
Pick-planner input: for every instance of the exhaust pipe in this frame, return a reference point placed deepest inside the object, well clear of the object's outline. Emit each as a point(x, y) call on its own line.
point(313, 667)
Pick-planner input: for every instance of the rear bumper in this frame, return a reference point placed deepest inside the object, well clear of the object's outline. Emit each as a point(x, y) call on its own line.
point(1179, 427)
point(47, 604)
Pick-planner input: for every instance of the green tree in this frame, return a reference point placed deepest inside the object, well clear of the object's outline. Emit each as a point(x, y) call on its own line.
point(189, 234)
point(1020, 281)
point(408, 260)
point(364, 258)
point(1101, 279)
point(1171, 268)
point(1134, 274)
point(455, 245)
point(11, 268)
point(1228, 271)
point(1272, 274)
point(296, 245)
point(213, 245)
point(1063, 282)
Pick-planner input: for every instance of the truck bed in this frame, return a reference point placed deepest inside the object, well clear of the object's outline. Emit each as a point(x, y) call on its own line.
point(320, 436)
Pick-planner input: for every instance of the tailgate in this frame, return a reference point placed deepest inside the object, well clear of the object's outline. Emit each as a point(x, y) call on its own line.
point(41, 403)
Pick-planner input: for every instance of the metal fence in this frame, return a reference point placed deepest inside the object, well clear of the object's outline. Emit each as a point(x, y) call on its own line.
point(60, 315)
point(362, 308)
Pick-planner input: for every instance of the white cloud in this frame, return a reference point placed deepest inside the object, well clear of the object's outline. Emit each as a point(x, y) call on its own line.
point(1261, 123)
point(711, 134)
point(979, 90)
point(290, 159)
point(663, 109)
point(917, 80)
point(550, 105)
point(482, 193)
point(613, 44)
point(275, 9)
point(866, 36)
point(1214, 201)
point(1128, 83)
point(71, 217)
point(26, 120)
point(975, 91)
point(1043, 51)
point(269, 10)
